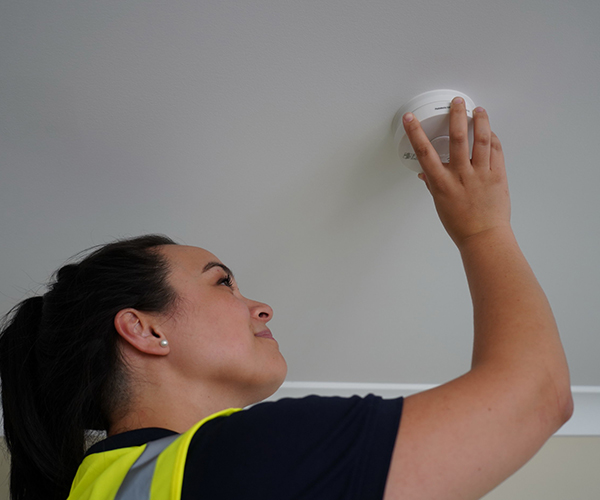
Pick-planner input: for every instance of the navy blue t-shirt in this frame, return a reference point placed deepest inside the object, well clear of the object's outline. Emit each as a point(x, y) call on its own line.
point(309, 448)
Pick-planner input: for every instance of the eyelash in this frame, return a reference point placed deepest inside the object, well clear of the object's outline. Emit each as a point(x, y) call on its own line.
point(227, 281)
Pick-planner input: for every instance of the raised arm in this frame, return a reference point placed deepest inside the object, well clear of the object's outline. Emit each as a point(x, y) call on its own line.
point(461, 439)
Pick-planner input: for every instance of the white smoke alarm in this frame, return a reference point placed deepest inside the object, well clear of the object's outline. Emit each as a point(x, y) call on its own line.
point(432, 109)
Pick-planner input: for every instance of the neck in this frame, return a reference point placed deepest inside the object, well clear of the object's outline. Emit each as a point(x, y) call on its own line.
point(174, 409)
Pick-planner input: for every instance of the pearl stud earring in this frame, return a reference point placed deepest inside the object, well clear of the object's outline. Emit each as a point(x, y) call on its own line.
point(164, 343)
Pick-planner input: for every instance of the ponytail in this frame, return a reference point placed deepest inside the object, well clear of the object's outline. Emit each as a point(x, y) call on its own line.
point(60, 364)
point(20, 383)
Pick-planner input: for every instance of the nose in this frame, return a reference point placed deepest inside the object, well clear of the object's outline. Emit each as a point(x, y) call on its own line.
point(260, 311)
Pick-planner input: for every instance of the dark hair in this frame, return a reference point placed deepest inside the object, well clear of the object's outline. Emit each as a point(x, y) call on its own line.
point(62, 374)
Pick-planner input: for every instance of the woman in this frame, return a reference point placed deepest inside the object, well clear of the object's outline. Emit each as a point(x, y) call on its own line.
point(154, 343)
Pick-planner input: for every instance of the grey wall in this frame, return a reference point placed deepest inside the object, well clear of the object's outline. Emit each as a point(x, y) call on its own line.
point(261, 131)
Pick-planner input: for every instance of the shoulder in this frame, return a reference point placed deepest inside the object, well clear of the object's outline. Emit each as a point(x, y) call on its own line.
point(281, 448)
point(313, 415)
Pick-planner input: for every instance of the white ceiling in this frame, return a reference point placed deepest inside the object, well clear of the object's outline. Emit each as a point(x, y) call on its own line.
point(260, 130)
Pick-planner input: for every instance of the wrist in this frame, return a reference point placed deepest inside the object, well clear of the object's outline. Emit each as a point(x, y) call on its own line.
point(490, 237)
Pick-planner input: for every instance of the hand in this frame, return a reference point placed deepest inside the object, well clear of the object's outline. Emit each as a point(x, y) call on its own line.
point(470, 195)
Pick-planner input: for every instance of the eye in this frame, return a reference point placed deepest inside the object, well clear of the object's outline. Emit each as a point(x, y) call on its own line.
point(227, 281)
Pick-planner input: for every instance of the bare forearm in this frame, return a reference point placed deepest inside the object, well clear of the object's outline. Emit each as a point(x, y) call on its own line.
point(515, 329)
point(462, 438)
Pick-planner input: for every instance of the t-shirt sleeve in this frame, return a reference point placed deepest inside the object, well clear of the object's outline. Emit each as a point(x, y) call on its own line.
point(309, 448)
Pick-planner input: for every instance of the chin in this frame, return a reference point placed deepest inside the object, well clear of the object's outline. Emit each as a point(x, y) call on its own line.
point(269, 387)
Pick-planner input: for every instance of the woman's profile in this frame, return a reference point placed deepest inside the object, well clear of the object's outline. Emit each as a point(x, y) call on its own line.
point(154, 343)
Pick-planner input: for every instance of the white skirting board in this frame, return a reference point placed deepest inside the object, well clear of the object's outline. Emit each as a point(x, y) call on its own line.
point(584, 422)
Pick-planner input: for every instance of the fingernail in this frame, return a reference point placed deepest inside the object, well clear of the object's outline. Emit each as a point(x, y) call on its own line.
point(458, 100)
point(408, 117)
point(479, 109)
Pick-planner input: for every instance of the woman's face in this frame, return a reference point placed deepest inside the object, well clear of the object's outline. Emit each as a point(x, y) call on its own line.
point(216, 335)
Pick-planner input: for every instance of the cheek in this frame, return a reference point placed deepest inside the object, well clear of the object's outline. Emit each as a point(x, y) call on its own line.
point(223, 327)
point(227, 318)
point(216, 313)
point(213, 333)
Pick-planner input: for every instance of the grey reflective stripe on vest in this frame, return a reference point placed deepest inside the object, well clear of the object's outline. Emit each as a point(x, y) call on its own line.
point(137, 482)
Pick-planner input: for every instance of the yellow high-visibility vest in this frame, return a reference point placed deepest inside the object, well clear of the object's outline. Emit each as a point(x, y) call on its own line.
point(152, 471)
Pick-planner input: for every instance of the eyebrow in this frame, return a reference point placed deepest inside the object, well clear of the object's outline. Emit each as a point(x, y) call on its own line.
point(212, 264)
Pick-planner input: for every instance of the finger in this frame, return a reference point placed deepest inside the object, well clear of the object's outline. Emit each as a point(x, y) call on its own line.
point(426, 153)
point(459, 134)
point(482, 137)
point(496, 154)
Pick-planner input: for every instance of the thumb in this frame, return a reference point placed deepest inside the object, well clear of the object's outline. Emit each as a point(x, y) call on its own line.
point(423, 177)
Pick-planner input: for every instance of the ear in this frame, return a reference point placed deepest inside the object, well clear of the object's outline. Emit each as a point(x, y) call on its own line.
point(136, 328)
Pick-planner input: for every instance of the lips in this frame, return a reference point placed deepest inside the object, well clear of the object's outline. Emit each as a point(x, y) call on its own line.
point(265, 334)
